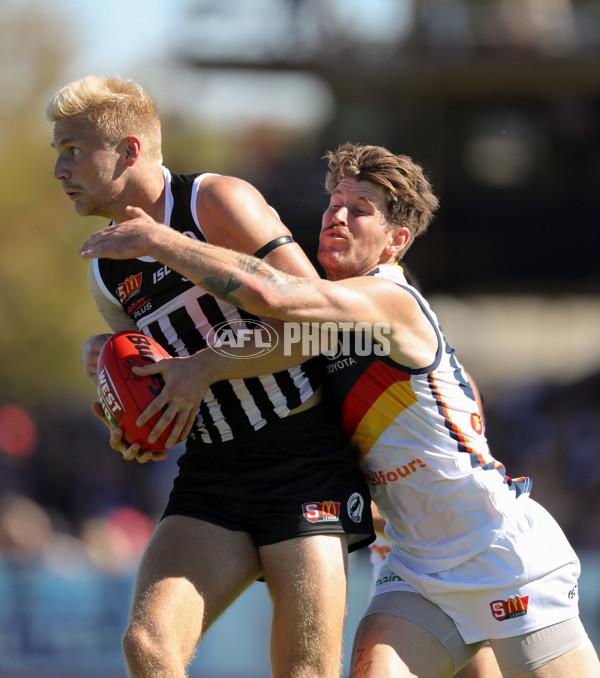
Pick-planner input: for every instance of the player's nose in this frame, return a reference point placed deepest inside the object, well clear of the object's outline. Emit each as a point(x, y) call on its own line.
point(60, 171)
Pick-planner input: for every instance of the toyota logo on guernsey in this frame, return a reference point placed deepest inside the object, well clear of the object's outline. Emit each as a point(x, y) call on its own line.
point(334, 340)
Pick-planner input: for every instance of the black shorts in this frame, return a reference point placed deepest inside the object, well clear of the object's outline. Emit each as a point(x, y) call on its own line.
point(295, 477)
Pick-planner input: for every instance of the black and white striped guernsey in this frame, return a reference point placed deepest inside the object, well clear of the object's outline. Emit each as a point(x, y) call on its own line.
point(180, 316)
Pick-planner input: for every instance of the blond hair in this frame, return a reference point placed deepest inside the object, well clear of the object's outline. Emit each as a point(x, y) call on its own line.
point(410, 200)
point(116, 108)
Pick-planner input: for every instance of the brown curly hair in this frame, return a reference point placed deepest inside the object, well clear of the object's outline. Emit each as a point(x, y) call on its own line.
point(410, 200)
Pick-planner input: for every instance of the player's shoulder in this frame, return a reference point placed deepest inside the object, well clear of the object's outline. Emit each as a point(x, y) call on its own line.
point(375, 283)
point(232, 202)
point(209, 184)
point(390, 278)
point(219, 188)
point(234, 214)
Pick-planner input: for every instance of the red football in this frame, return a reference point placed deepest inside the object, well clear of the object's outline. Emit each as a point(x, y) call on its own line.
point(125, 395)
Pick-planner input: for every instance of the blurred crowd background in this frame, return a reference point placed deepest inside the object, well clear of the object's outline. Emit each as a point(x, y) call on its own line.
point(498, 100)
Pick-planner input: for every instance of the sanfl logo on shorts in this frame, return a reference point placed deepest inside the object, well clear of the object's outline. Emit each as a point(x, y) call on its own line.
point(356, 504)
point(320, 511)
point(508, 609)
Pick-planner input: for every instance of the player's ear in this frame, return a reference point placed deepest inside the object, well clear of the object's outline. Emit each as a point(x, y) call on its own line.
point(398, 240)
point(132, 148)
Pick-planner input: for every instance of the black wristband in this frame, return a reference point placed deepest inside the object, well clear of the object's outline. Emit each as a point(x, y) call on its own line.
point(274, 244)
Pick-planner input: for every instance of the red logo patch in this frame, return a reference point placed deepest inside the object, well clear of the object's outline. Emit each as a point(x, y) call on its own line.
point(130, 287)
point(507, 609)
point(317, 512)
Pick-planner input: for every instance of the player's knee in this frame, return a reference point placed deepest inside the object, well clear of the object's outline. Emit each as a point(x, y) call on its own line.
point(309, 660)
point(137, 646)
point(143, 652)
point(315, 667)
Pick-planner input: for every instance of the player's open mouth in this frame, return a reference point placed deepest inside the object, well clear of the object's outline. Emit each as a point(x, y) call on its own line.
point(335, 233)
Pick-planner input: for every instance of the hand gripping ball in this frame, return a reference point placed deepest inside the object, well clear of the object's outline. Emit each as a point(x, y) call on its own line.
point(125, 395)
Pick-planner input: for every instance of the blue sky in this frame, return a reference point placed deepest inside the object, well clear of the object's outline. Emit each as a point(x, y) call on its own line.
point(118, 34)
point(97, 24)
point(138, 39)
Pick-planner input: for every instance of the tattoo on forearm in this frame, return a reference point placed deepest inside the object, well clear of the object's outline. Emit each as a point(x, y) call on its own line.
point(225, 286)
point(222, 287)
point(258, 269)
point(250, 264)
point(275, 278)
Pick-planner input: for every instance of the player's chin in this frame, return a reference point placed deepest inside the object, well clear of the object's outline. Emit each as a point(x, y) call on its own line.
point(331, 261)
point(85, 208)
point(82, 210)
point(325, 255)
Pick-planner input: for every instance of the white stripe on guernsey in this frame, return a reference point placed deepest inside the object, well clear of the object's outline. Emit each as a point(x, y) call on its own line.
point(195, 189)
point(244, 395)
point(216, 415)
point(169, 202)
point(272, 389)
point(187, 299)
point(102, 286)
point(168, 209)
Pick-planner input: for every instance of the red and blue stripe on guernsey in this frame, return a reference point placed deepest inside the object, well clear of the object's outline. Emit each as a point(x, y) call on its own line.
point(518, 485)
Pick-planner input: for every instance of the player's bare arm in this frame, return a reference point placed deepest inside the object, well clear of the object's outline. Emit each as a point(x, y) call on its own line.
point(256, 286)
point(238, 278)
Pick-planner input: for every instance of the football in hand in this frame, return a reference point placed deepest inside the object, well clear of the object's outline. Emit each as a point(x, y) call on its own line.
point(123, 394)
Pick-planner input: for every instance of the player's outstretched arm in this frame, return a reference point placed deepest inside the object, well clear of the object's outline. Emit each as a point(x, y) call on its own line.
point(244, 280)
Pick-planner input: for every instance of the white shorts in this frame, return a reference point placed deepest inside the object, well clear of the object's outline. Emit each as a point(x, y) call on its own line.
point(525, 581)
point(515, 655)
point(378, 551)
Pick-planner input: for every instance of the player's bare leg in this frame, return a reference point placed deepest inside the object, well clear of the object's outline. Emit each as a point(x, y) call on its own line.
point(191, 572)
point(307, 580)
point(390, 647)
point(483, 665)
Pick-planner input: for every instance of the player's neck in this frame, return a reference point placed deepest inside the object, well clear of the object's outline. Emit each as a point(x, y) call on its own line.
point(146, 191)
